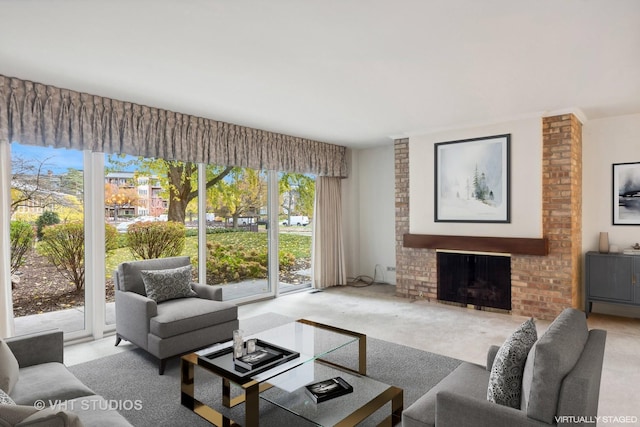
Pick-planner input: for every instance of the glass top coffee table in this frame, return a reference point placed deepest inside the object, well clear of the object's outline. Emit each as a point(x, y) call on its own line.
point(313, 342)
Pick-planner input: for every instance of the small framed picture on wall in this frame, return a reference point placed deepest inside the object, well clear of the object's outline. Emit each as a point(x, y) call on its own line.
point(626, 193)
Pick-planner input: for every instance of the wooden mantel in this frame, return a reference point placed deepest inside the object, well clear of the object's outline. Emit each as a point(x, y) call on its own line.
point(510, 245)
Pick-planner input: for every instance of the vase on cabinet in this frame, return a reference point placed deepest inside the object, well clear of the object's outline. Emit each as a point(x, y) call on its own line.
point(603, 244)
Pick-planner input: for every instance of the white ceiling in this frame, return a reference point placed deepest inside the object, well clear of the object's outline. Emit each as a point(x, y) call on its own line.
point(351, 72)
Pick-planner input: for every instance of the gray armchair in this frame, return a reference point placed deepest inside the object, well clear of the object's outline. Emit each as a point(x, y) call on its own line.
point(173, 327)
point(551, 396)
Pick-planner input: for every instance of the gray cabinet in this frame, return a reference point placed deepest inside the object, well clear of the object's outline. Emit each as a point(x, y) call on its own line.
point(613, 278)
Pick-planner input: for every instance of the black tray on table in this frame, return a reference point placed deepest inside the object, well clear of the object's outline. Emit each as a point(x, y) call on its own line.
point(267, 356)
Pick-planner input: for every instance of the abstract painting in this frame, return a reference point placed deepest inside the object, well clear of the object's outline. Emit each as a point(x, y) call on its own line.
point(626, 194)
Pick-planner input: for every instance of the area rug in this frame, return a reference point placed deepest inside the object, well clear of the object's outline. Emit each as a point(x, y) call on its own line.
point(131, 383)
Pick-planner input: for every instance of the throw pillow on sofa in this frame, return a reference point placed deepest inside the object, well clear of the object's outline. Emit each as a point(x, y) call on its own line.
point(5, 399)
point(163, 285)
point(505, 380)
point(9, 368)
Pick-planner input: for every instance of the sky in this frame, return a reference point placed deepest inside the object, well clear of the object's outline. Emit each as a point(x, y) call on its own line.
point(59, 160)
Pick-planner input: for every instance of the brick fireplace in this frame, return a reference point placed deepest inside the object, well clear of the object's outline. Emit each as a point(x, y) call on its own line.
point(542, 285)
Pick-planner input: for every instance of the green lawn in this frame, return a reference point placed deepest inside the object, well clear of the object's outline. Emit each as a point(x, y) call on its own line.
point(298, 245)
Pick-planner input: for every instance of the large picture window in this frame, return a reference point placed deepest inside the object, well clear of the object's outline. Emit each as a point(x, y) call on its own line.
point(135, 196)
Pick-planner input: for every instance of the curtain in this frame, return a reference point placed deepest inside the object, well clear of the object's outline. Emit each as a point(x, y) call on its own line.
point(37, 114)
point(328, 247)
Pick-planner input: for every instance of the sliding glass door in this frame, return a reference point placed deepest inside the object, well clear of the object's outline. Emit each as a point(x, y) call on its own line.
point(295, 218)
point(47, 238)
point(237, 255)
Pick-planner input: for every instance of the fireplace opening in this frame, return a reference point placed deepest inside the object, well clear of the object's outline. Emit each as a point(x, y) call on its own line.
point(475, 279)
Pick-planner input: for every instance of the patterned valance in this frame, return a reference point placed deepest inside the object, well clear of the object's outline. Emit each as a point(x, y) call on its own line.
point(37, 114)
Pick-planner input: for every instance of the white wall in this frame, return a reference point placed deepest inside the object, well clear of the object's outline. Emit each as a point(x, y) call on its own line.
point(369, 193)
point(526, 181)
point(605, 142)
point(350, 216)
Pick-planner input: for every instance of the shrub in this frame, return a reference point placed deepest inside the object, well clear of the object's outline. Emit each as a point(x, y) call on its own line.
point(47, 218)
point(21, 236)
point(112, 239)
point(157, 239)
point(63, 246)
point(226, 263)
point(229, 263)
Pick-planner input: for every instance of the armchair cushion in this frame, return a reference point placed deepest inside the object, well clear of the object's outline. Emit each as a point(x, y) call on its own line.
point(9, 368)
point(549, 361)
point(163, 285)
point(467, 379)
point(462, 410)
point(181, 316)
point(505, 381)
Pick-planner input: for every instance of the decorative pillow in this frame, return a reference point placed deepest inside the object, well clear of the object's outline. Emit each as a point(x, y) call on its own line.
point(163, 285)
point(5, 399)
point(9, 368)
point(505, 380)
point(551, 358)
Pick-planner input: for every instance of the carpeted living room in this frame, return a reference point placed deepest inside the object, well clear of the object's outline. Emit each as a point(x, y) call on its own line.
point(413, 345)
point(472, 244)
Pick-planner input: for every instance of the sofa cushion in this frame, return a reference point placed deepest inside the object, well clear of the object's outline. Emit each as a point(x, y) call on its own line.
point(468, 379)
point(179, 316)
point(5, 399)
point(505, 381)
point(51, 418)
point(130, 279)
point(11, 415)
point(9, 368)
point(48, 382)
point(163, 285)
point(549, 361)
point(95, 411)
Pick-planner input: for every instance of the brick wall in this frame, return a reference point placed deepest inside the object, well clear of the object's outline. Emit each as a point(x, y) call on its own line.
point(416, 273)
point(541, 286)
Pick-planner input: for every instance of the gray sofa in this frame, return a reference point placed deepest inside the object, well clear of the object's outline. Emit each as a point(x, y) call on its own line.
point(560, 384)
point(45, 393)
point(174, 327)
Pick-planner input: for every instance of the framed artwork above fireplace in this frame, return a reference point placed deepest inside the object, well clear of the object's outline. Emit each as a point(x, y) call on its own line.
point(472, 180)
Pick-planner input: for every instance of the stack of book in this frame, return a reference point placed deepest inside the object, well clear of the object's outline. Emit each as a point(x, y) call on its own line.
point(328, 389)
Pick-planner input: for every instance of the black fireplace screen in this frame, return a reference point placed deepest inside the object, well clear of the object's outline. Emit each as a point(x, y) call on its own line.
point(480, 280)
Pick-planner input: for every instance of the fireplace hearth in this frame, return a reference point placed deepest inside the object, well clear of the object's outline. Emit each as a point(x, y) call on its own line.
point(475, 279)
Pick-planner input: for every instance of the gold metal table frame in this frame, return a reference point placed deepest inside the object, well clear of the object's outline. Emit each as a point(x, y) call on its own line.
point(252, 389)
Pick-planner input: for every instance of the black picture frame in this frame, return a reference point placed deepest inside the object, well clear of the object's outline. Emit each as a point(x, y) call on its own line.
point(626, 193)
point(472, 180)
